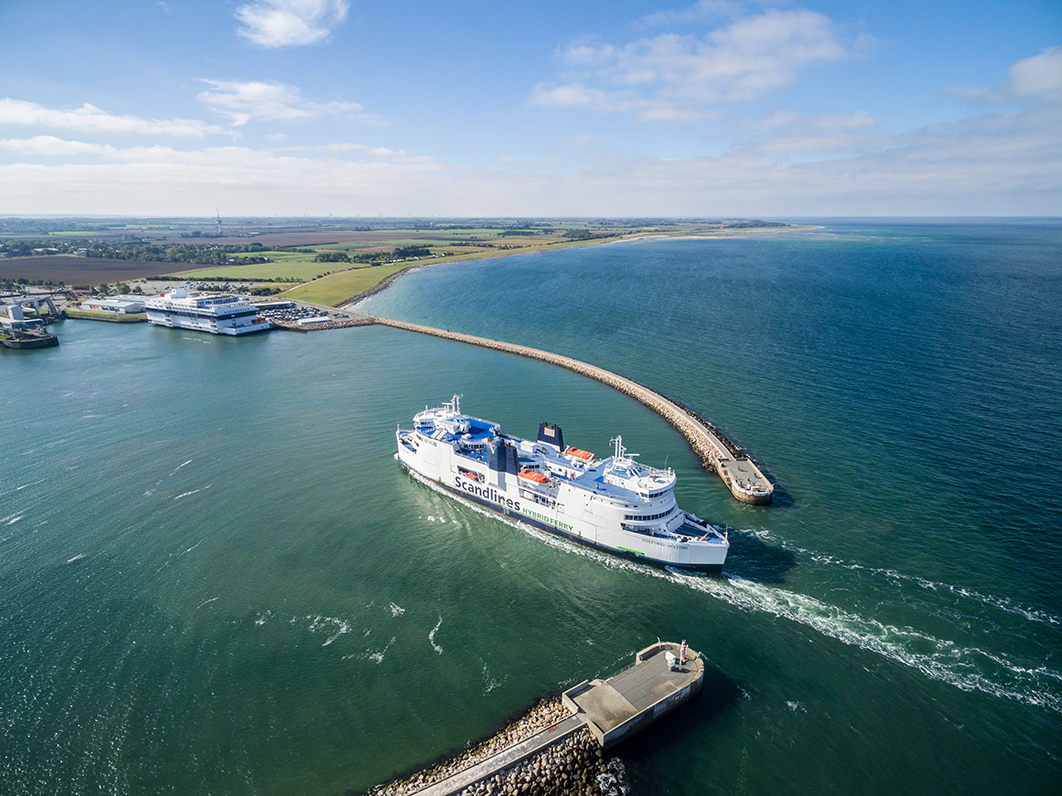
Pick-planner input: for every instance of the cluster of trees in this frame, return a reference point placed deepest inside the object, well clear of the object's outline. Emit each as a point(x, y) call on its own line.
point(119, 287)
point(400, 253)
point(177, 253)
point(18, 283)
point(170, 278)
point(332, 257)
point(131, 248)
point(44, 226)
point(406, 252)
point(752, 224)
point(27, 248)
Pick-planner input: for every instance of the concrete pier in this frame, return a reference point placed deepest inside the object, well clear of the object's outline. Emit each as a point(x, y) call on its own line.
point(656, 683)
point(737, 470)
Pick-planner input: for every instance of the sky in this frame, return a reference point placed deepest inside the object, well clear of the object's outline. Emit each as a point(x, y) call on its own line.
point(719, 108)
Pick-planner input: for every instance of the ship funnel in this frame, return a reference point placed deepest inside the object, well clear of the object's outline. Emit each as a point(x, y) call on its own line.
point(502, 458)
point(551, 435)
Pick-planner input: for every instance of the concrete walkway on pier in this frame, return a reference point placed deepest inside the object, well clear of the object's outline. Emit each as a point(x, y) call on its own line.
point(504, 759)
point(740, 474)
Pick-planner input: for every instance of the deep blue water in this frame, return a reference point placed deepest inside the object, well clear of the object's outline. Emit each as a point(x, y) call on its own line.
point(215, 579)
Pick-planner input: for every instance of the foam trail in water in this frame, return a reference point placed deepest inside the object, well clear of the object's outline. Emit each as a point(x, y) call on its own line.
point(1002, 603)
point(378, 656)
point(431, 636)
point(24, 486)
point(336, 627)
point(967, 668)
point(490, 683)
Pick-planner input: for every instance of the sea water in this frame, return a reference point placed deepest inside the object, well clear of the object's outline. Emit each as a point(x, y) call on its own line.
point(214, 577)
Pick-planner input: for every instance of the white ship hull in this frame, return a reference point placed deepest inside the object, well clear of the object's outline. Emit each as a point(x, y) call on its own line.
point(199, 312)
point(615, 504)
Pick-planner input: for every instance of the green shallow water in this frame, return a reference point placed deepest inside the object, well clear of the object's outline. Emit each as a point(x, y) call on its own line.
point(214, 578)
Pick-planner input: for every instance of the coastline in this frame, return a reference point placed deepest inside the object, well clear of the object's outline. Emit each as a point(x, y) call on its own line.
point(352, 302)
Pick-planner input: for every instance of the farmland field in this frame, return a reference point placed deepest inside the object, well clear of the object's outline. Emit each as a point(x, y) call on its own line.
point(71, 270)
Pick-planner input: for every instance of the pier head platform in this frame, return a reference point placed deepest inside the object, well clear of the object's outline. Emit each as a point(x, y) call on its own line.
point(656, 683)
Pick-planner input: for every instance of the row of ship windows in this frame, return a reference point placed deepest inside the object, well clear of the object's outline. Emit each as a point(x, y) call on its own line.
point(211, 316)
point(646, 518)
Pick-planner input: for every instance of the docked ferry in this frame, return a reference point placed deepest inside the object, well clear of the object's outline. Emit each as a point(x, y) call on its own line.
point(205, 312)
point(615, 504)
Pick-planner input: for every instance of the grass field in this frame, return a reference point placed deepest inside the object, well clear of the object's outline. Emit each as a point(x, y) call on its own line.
point(287, 266)
point(337, 288)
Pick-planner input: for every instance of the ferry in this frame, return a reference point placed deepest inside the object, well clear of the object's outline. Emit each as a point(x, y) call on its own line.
point(615, 504)
point(204, 312)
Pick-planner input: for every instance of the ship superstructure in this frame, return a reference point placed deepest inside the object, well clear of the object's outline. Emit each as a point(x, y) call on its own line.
point(616, 504)
point(205, 312)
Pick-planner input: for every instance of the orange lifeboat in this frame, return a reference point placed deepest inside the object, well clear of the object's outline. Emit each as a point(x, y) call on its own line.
point(578, 454)
point(534, 475)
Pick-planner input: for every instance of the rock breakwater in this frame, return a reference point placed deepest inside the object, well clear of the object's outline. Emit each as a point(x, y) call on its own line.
point(575, 765)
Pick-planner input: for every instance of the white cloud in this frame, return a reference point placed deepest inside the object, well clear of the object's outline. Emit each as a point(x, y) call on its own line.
point(824, 122)
point(89, 118)
point(581, 141)
point(50, 146)
point(683, 77)
point(996, 164)
point(787, 137)
point(703, 9)
point(1036, 78)
point(1039, 77)
point(285, 23)
point(242, 102)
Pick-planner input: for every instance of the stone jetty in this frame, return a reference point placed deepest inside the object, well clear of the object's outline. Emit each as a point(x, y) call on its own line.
point(736, 469)
point(575, 764)
point(558, 747)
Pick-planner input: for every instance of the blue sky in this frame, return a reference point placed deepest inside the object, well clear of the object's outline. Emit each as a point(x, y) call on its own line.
point(620, 108)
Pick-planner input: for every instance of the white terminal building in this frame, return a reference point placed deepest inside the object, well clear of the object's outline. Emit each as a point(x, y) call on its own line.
point(204, 312)
point(119, 306)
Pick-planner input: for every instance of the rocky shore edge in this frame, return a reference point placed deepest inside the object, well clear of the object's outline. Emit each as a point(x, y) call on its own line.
point(576, 765)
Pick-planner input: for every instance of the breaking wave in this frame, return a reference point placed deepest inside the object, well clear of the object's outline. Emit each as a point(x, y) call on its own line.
point(431, 636)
